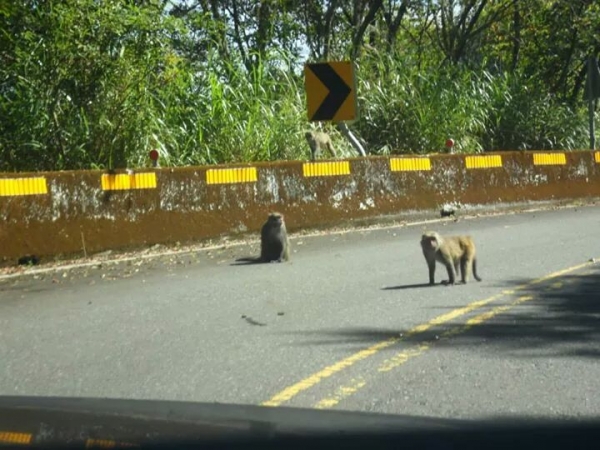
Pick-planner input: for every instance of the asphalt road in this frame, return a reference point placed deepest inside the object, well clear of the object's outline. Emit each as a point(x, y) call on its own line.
point(348, 324)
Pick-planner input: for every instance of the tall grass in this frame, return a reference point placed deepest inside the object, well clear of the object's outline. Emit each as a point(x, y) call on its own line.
point(241, 118)
point(70, 104)
point(405, 110)
point(525, 117)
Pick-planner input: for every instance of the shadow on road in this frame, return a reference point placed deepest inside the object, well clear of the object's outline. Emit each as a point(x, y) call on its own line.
point(407, 286)
point(563, 319)
point(249, 260)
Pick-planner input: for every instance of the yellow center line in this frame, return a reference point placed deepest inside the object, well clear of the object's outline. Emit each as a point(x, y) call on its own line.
point(328, 371)
point(412, 352)
point(342, 393)
point(405, 355)
point(310, 381)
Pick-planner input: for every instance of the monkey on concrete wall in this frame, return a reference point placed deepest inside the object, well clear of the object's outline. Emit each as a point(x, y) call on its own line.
point(318, 141)
point(454, 252)
point(274, 242)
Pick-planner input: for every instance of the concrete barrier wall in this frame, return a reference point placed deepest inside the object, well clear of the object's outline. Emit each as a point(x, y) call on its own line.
point(55, 213)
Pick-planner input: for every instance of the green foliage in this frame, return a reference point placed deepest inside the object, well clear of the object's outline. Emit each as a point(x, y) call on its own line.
point(526, 117)
point(416, 112)
point(76, 85)
point(88, 84)
point(248, 118)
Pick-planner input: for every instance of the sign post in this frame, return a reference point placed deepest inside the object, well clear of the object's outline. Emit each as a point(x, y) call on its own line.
point(591, 94)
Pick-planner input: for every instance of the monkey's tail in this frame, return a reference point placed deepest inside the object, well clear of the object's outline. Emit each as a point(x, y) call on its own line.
point(475, 270)
point(248, 259)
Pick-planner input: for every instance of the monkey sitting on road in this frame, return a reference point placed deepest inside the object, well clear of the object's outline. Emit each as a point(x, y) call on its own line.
point(318, 141)
point(454, 252)
point(274, 243)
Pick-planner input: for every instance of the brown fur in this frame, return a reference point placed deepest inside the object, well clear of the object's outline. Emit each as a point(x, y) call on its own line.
point(454, 252)
point(318, 141)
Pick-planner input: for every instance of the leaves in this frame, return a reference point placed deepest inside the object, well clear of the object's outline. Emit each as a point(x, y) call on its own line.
point(88, 84)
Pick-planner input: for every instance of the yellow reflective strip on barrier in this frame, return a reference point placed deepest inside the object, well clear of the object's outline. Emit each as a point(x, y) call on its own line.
point(409, 164)
point(483, 161)
point(549, 159)
point(9, 437)
point(326, 168)
point(121, 182)
point(228, 176)
point(23, 186)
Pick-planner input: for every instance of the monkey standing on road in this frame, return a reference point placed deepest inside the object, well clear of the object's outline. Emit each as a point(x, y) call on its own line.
point(454, 252)
point(274, 243)
point(317, 141)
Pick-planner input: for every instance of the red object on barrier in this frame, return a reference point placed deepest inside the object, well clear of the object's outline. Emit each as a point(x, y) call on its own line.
point(153, 154)
point(450, 143)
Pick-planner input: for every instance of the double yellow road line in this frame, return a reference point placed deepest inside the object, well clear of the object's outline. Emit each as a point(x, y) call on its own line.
point(405, 355)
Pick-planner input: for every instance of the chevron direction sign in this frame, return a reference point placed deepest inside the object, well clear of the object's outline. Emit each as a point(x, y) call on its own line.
point(330, 91)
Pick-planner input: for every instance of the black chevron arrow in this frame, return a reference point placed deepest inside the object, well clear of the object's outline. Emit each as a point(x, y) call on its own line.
point(338, 91)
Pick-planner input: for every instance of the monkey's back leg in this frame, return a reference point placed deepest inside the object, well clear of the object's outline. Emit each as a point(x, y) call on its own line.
point(466, 263)
point(331, 150)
